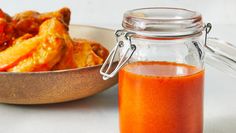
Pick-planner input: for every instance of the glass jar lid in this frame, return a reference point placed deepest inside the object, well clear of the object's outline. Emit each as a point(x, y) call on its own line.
point(163, 22)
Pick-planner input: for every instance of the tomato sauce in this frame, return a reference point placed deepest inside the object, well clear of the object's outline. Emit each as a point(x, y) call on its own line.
point(161, 97)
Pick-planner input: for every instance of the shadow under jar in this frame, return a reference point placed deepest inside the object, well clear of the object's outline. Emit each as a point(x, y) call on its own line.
point(161, 70)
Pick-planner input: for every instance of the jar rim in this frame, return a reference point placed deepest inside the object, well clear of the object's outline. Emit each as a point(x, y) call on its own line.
point(163, 21)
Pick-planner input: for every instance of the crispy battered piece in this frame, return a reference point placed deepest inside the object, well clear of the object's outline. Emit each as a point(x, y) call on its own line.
point(29, 21)
point(99, 50)
point(51, 45)
point(88, 53)
point(7, 33)
point(63, 15)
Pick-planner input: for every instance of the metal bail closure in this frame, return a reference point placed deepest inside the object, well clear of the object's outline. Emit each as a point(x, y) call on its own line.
point(105, 69)
point(207, 27)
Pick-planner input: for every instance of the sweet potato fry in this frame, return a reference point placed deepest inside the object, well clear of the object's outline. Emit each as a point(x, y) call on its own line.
point(50, 48)
point(44, 58)
point(67, 61)
point(21, 50)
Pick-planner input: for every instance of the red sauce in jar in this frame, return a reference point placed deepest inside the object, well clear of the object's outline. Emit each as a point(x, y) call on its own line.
point(160, 97)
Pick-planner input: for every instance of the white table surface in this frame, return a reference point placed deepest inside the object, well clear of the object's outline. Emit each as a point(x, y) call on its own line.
point(99, 114)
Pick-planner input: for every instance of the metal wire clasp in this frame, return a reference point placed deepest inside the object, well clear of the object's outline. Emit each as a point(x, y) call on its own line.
point(207, 28)
point(105, 69)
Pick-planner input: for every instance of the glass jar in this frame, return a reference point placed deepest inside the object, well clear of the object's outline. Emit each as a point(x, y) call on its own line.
point(161, 69)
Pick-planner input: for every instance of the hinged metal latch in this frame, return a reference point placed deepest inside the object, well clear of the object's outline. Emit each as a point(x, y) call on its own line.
point(105, 69)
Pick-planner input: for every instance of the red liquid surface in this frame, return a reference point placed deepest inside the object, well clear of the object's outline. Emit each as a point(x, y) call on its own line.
point(160, 97)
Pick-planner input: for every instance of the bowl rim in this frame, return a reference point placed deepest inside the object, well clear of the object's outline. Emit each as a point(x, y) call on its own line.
point(92, 26)
point(50, 72)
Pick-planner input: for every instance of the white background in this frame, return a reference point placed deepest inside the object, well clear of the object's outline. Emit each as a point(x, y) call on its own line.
point(101, 12)
point(98, 114)
point(109, 13)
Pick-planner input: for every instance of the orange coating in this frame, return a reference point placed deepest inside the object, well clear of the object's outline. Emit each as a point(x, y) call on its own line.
point(161, 97)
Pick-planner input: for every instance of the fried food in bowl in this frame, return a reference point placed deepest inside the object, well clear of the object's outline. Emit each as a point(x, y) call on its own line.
point(49, 62)
point(41, 42)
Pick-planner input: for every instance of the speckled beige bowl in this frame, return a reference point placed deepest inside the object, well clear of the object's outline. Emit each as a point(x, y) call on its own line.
point(58, 86)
